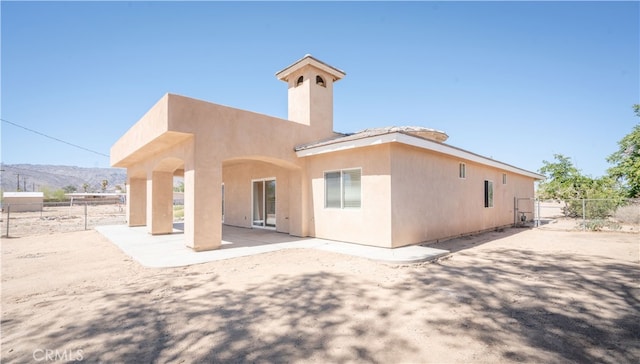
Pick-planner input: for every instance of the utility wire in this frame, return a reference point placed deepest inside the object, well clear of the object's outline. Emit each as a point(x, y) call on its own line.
point(54, 138)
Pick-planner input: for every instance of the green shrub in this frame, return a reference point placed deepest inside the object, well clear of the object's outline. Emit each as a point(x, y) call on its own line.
point(600, 224)
point(178, 212)
point(53, 195)
point(593, 209)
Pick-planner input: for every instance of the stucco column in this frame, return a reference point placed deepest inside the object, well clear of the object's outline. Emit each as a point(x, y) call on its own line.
point(298, 203)
point(160, 206)
point(137, 201)
point(203, 205)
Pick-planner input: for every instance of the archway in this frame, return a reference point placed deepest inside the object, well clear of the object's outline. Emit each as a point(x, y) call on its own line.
point(160, 197)
point(262, 192)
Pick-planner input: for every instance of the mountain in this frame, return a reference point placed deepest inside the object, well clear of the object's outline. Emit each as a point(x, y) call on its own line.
point(35, 177)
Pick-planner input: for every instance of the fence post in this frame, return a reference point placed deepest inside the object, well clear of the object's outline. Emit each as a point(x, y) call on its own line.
point(584, 216)
point(85, 216)
point(8, 216)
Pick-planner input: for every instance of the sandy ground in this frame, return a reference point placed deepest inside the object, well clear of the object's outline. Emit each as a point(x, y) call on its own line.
point(53, 220)
point(514, 296)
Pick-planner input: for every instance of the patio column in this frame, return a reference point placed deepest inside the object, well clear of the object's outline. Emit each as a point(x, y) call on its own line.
point(203, 205)
point(137, 201)
point(298, 203)
point(160, 210)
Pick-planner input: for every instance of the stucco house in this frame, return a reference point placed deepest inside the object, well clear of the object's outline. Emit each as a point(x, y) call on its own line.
point(386, 187)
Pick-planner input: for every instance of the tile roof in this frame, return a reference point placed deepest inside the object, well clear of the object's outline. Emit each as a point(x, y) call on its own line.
point(418, 131)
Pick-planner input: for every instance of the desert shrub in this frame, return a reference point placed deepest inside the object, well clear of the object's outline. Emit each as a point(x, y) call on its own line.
point(178, 212)
point(51, 195)
point(629, 214)
point(593, 209)
point(600, 224)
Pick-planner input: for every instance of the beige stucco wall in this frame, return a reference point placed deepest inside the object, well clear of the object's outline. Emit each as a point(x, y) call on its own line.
point(431, 202)
point(310, 104)
point(146, 138)
point(200, 137)
point(237, 178)
point(370, 224)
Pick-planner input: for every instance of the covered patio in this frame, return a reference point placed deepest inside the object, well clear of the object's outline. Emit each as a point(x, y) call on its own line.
point(169, 250)
point(198, 141)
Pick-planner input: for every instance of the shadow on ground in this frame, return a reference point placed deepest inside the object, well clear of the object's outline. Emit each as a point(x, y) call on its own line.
point(568, 308)
point(285, 320)
point(474, 240)
point(543, 308)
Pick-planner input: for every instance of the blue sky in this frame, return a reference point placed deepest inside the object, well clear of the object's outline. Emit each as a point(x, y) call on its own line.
point(514, 81)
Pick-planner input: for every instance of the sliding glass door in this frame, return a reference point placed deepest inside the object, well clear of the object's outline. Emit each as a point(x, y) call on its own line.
point(264, 203)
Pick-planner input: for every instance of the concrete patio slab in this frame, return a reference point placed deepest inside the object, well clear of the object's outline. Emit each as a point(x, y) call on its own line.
point(158, 251)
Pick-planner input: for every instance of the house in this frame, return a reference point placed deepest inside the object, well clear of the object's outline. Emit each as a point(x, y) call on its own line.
point(22, 201)
point(386, 187)
point(95, 198)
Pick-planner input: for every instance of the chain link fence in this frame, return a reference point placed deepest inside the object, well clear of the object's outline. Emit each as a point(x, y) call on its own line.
point(581, 214)
point(589, 215)
point(20, 220)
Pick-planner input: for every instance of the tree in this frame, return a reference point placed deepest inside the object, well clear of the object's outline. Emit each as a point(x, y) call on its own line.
point(627, 160)
point(565, 182)
point(53, 195)
point(104, 184)
point(179, 187)
point(85, 187)
point(603, 194)
point(563, 179)
point(69, 189)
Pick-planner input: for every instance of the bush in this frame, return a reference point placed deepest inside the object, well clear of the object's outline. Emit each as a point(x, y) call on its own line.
point(629, 214)
point(593, 209)
point(600, 224)
point(53, 195)
point(178, 212)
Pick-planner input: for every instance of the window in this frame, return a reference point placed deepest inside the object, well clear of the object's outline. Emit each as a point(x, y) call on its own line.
point(332, 189)
point(488, 193)
point(320, 81)
point(462, 170)
point(299, 81)
point(504, 178)
point(351, 188)
point(342, 188)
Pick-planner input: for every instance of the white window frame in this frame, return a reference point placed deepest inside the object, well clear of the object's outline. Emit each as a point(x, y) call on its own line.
point(266, 179)
point(462, 170)
point(341, 171)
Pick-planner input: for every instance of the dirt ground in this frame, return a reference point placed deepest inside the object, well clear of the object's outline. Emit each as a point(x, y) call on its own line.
point(58, 219)
point(514, 296)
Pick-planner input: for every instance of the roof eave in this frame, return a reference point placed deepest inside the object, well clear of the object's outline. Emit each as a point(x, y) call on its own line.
point(407, 139)
point(308, 59)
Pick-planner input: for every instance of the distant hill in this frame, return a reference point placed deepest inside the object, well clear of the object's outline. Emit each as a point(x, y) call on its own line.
point(33, 177)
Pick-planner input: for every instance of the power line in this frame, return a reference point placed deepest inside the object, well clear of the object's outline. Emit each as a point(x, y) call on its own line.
point(54, 138)
point(33, 173)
